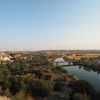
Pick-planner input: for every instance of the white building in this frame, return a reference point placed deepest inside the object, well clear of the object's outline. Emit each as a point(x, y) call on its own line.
point(4, 58)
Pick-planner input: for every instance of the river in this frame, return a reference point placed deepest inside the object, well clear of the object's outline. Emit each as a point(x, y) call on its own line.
point(82, 72)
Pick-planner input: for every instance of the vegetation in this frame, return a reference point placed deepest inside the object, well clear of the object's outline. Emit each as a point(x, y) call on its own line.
point(82, 86)
point(37, 76)
point(90, 64)
point(28, 78)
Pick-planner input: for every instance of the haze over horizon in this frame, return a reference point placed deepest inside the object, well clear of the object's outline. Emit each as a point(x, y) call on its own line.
point(31, 25)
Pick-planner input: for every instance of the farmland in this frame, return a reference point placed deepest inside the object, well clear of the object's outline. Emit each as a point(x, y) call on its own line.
point(87, 55)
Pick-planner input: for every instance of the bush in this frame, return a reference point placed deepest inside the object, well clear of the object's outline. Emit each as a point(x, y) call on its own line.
point(78, 96)
point(42, 91)
point(82, 86)
point(58, 86)
point(64, 71)
point(48, 70)
point(21, 95)
point(64, 97)
point(59, 68)
point(7, 92)
point(38, 87)
point(48, 77)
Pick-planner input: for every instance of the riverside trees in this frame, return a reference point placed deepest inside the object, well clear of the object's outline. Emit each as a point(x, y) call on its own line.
point(82, 86)
point(91, 64)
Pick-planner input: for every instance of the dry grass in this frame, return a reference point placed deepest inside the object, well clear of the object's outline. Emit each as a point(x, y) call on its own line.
point(88, 55)
point(4, 98)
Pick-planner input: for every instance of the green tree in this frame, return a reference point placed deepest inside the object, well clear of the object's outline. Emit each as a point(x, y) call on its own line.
point(78, 96)
point(64, 97)
point(48, 70)
point(82, 86)
point(64, 71)
point(38, 87)
point(47, 77)
point(6, 72)
point(6, 84)
point(1, 75)
point(58, 86)
point(40, 73)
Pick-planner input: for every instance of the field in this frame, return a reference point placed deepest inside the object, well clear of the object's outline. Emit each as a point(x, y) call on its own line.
point(88, 55)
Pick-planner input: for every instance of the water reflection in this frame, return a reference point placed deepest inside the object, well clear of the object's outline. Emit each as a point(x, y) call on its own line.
point(86, 69)
point(80, 66)
point(82, 72)
point(98, 72)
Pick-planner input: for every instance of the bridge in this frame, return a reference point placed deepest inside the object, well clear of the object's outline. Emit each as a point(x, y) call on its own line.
point(70, 61)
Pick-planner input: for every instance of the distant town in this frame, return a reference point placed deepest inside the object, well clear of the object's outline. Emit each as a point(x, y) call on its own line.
point(71, 54)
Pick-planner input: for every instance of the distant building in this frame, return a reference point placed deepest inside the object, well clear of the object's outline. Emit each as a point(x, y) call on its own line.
point(3, 57)
point(6, 59)
point(97, 60)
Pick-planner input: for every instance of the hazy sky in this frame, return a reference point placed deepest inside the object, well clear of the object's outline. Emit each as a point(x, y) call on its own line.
point(49, 24)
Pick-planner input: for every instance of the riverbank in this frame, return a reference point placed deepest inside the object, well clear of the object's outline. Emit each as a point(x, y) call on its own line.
point(73, 77)
point(85, 73)
point(92, 67)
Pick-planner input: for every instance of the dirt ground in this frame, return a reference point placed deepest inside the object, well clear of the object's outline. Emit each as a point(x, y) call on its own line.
point(4, 98)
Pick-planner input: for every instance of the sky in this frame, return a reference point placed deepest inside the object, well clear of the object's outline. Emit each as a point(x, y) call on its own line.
point(30, 25)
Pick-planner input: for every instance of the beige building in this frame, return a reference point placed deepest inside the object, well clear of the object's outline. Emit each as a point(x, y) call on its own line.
point(3, 57)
